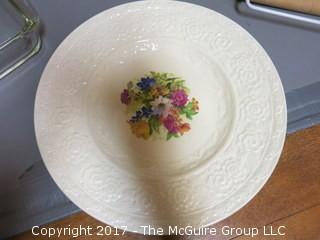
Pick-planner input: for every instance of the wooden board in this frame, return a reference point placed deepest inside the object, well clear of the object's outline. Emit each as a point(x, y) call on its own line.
point(291, 198)
point(305, 6)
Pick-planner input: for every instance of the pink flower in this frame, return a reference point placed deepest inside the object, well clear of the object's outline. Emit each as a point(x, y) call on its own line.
point(171, 124)
point(125, 98)
point(179, 98)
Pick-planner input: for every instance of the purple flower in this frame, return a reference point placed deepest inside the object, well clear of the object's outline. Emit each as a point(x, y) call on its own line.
point(125, 98)
point(171, 124)
point(161, 106)
point(179, 98)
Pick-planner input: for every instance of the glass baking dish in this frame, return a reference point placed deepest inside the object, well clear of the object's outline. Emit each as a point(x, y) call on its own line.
point(19, 34)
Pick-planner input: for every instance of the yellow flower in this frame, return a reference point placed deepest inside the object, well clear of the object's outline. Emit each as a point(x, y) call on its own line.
point(159, 90)
point(195, 105)
point(140, 129)
point(154, 92)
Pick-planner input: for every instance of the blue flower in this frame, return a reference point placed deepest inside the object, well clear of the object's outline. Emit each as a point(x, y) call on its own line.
point(137, 116)
point(146, 83)
point(146, 111)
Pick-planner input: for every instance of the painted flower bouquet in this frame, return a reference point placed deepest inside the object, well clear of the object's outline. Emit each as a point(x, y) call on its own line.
point(158, 106)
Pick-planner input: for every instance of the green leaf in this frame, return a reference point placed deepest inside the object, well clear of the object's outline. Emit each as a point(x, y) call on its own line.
point(169, 136)
point(154, 124)
point(172, 79)
point(134, 106)
point(130, 85)
point(150, 130)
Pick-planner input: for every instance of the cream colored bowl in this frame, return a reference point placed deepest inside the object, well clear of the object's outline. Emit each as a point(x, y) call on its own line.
point(199, 179)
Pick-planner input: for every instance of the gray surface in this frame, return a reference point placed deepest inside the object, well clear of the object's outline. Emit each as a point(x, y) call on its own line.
point(28, 196)
point(8, 21)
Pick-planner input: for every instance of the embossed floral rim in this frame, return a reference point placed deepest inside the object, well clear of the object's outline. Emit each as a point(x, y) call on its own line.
point(159, 106)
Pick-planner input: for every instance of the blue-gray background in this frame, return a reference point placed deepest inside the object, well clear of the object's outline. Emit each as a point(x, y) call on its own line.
point(28, 195)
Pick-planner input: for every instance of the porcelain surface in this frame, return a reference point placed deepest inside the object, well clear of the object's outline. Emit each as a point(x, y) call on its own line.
point(199, 179)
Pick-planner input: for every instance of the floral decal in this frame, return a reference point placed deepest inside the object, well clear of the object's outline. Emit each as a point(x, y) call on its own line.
point(159, 106)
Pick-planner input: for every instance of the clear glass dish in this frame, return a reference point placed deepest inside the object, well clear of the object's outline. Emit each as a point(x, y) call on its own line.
point(19, 34)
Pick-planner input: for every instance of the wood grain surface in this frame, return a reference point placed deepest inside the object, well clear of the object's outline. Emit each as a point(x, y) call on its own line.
point(305, 6)
point(291, 198)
